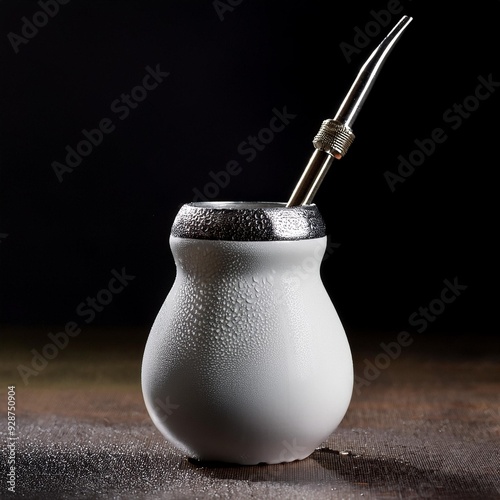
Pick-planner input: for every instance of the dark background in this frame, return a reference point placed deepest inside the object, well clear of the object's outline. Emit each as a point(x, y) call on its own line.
point(59, 241)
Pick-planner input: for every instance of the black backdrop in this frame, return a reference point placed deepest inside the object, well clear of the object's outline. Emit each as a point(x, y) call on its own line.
point(232, 65)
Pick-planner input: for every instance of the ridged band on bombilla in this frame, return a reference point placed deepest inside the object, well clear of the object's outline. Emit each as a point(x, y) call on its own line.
point(332, 141)
point(334, 138)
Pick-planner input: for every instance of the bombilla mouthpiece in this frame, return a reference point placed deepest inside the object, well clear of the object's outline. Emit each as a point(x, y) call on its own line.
point(335, 136)
point(367, 75)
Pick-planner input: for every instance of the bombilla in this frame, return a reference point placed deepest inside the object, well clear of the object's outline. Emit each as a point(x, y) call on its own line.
point(335, 135)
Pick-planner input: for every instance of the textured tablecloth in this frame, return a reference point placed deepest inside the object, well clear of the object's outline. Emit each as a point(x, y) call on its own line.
point(428, 426)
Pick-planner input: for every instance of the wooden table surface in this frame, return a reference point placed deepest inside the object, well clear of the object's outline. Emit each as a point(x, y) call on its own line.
point(427, 427)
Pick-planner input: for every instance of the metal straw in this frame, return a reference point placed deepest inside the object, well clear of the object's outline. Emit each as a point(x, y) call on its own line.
point(335, 136)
